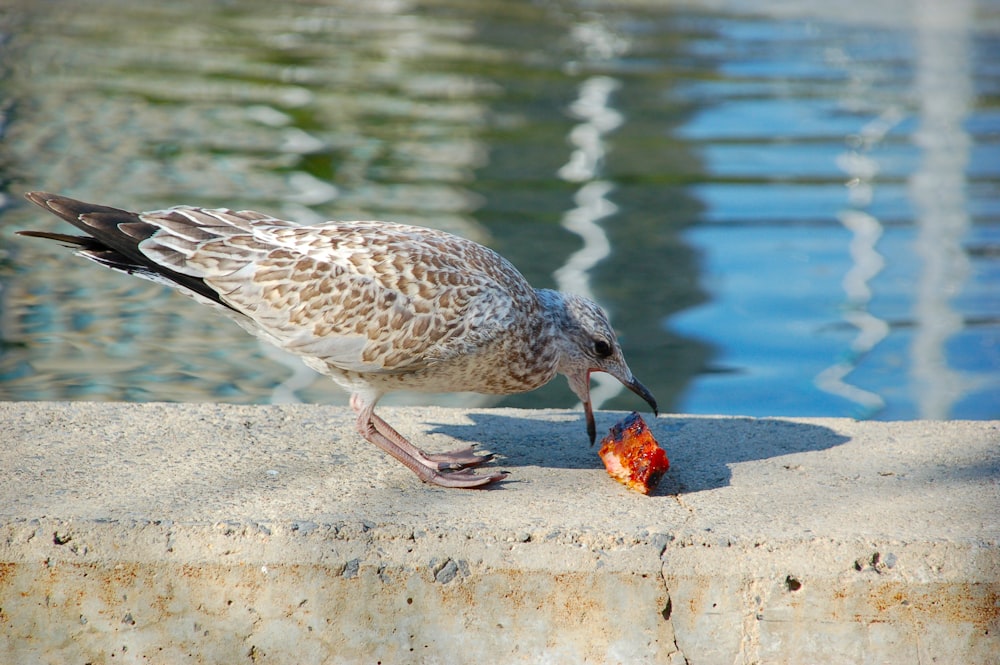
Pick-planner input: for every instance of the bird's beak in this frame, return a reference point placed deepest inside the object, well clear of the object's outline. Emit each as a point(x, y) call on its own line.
point(643, 392)
point(581, 386)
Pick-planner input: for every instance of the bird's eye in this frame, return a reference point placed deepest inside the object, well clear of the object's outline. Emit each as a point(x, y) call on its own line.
point(601, 348)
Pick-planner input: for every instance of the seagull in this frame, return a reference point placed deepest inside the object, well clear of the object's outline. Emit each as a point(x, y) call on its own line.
point(376, 306)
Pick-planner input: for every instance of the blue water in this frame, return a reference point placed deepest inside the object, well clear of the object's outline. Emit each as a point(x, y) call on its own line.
point(850, 236)
point(789, 210)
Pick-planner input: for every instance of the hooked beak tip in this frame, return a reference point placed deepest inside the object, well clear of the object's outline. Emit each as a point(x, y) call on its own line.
point(643, 392)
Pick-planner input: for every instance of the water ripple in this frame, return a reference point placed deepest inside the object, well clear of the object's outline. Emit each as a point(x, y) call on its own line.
point(592, 107)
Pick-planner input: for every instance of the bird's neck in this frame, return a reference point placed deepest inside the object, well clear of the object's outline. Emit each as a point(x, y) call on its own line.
point(558, 321)
point(553, 306)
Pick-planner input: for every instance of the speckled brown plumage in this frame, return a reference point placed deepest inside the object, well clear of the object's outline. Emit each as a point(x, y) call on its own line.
point(374, 305)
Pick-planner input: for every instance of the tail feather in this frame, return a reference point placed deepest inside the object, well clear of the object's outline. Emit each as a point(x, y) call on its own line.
point(112, 239)
point(73, 242)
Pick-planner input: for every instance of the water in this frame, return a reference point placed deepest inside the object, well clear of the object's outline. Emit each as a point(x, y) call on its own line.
point(787, 209)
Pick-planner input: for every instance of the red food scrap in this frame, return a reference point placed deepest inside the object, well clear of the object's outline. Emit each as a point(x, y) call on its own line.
point(632, 456)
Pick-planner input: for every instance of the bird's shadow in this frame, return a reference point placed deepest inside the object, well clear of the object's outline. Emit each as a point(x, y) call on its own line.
point(701, 449)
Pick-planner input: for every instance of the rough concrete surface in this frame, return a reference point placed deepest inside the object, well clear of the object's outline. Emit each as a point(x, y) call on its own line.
point(167, 533)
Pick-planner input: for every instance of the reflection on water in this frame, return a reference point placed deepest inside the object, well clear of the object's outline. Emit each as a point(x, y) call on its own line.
point(592, 202)
point(866, 230)
point(944, 86)
point(826, 297)
point(784, 215)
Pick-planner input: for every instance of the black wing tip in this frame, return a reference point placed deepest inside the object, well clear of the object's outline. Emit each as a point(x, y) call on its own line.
point(38, 196)
point(70, 209)
point(62, 206)
point(46, 200)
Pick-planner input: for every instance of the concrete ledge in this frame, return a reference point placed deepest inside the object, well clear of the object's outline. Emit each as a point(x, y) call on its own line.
point(163, 533)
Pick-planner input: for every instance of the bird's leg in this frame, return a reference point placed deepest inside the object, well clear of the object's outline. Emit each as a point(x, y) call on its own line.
point(452, 460)
point(447, 470)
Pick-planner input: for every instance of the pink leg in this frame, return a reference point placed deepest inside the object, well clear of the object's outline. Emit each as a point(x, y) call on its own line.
point(445, 469)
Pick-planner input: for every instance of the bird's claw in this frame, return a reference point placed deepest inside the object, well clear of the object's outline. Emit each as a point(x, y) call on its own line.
point(458, 459)
point(464, 478)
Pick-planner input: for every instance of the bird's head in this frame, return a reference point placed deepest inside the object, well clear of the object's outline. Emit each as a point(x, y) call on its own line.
point(589, 344)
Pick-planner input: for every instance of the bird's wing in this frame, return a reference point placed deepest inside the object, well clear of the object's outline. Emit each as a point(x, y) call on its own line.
point(361, 296)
